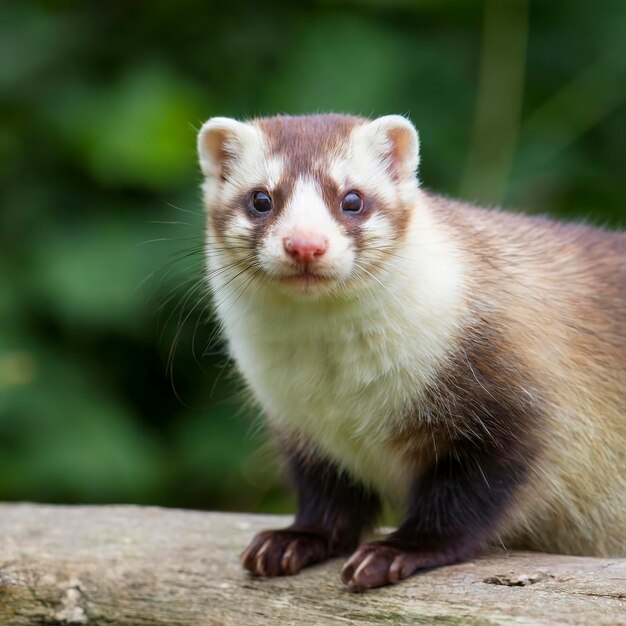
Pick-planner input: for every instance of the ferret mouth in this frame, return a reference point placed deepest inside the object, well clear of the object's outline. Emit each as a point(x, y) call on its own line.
point(306, 279)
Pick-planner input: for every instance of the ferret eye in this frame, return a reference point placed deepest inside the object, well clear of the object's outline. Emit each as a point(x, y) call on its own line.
point(352, 203)
point(261, 202)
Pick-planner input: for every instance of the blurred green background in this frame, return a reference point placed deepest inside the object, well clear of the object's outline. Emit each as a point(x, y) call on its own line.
point(111, 386)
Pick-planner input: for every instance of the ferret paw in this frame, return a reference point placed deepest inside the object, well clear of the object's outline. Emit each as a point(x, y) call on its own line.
point(383, 563)
point(284, 552)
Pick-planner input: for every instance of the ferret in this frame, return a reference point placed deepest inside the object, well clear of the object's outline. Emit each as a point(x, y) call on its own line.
point(467, 365)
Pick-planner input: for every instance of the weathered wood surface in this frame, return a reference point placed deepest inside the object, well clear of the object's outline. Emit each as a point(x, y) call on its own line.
point(134, 566)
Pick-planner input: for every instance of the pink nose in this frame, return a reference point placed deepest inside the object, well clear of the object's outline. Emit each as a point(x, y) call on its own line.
point(305, 248)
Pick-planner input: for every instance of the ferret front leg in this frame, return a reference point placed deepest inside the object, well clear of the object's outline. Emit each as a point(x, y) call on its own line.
point(333, 511)
point(454, 509)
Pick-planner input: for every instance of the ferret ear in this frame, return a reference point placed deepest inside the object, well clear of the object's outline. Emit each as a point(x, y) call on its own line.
point(394, 140)
point(222, 140)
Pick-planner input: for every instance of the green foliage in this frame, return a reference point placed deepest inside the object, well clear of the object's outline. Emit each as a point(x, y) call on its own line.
point(112, 384)
point(132, 133)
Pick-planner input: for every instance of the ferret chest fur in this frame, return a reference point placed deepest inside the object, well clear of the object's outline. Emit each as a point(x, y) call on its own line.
point(343, 388)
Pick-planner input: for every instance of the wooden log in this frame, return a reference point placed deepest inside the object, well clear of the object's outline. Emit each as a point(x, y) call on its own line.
point(144, 566)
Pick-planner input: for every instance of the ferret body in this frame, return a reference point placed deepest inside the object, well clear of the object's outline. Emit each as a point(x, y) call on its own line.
point(469, 365)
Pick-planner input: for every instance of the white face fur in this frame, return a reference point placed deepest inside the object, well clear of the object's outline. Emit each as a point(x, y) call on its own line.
point(335, 195)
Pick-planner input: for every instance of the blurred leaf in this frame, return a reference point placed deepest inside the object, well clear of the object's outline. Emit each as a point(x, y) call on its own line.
point(48, 422)
point(219, 450)
point(340, 63)
point(89, 274)
point(139, 132)
point(30, 38)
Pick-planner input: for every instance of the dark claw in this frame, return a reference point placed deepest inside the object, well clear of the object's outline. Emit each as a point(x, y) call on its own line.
point(386, 563)
point(284, 552)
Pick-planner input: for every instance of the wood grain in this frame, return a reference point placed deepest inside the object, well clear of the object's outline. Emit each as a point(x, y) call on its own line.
point(144, 566)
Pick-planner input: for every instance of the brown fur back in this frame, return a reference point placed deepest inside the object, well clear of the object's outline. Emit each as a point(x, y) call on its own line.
point(556, 293)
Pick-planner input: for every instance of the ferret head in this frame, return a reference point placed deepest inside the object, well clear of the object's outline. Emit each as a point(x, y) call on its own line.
point(308, 205)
